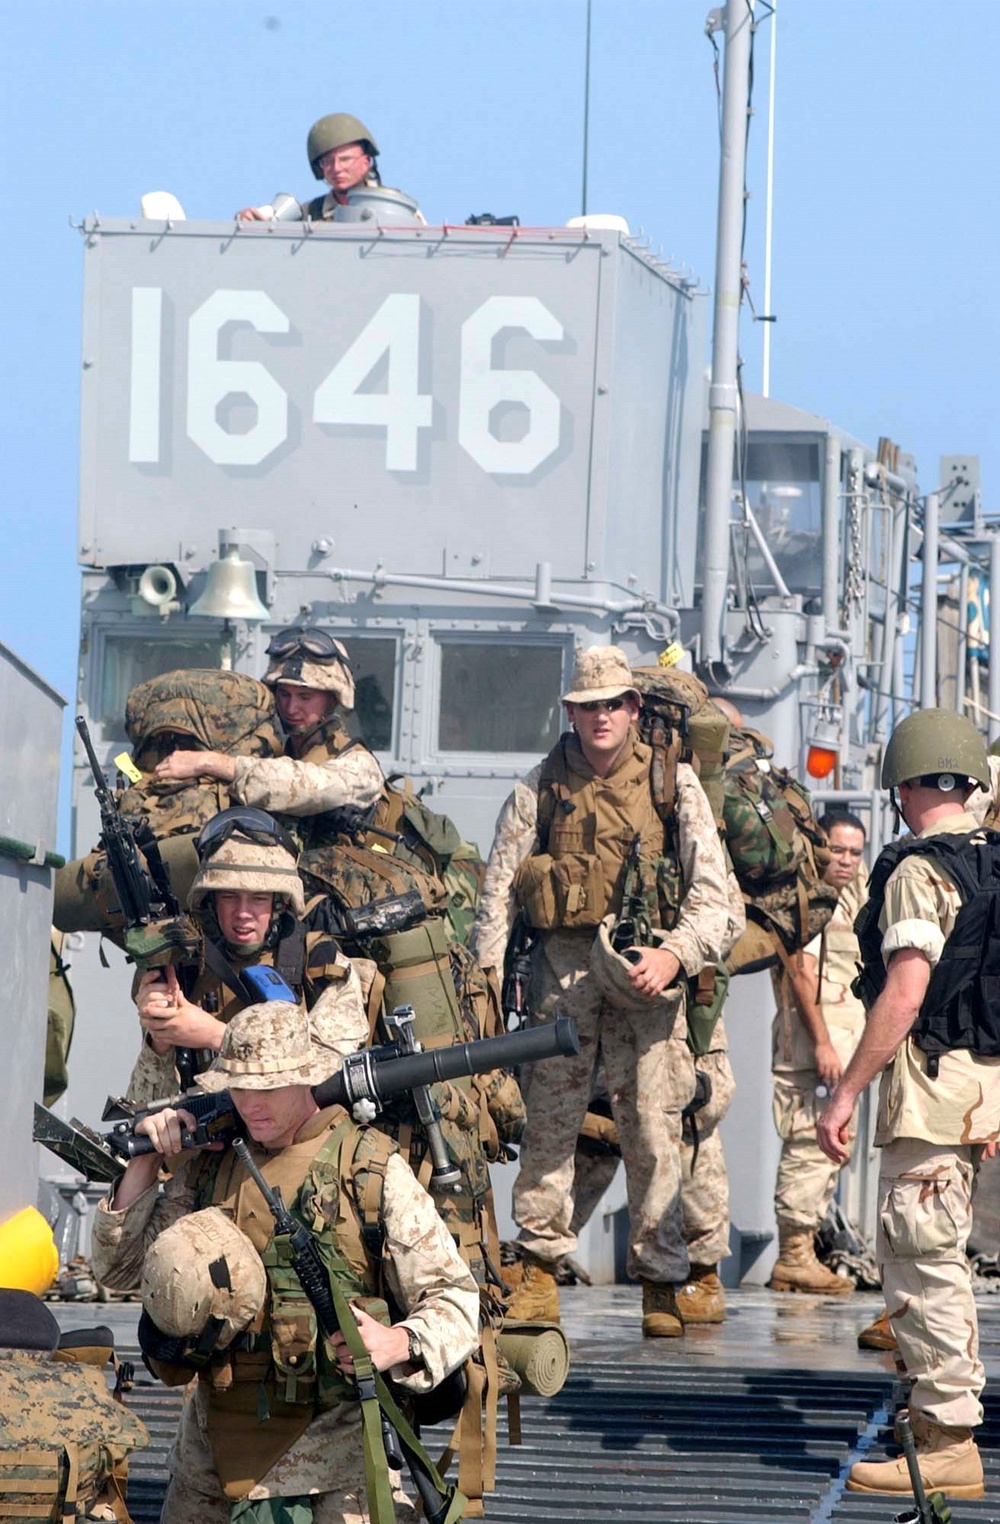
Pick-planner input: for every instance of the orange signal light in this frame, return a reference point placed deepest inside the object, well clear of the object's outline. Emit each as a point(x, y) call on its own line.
point(820, 761)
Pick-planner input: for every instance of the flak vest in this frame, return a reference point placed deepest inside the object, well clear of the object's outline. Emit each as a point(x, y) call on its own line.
point(961, 1008)
point(586, 828)
point(264, 1395)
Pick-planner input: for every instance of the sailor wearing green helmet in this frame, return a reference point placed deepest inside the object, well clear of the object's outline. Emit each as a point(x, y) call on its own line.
point(342, 152)
point(926, 938)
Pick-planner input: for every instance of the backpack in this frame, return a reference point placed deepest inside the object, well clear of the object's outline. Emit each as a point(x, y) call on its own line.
point(779, 855)
point(960, 1009)
point(777, 849)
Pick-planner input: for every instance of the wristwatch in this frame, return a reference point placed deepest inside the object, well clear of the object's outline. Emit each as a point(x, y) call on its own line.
point(414, 1352)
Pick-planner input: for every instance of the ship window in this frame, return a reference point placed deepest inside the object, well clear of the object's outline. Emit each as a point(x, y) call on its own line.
point(129, 660)
point(783, 490)
point(373, 662)
point(499, 698)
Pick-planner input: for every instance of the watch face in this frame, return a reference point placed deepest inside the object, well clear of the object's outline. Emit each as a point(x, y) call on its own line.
point(414, 1343)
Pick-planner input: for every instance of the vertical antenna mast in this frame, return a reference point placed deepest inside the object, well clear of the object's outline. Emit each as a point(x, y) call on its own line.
point(586, 114)
point(738, 18)
point(769, 209)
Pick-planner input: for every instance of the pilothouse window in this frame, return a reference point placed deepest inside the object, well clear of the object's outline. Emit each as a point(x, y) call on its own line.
point(129, 660)
point(499, 698)
point(373, 663)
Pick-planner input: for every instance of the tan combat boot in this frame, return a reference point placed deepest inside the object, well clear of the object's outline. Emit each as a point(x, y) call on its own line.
point(878, 1335)
point(948, 1459)
point(660, 1316)
point(536, 1298)
point(798, 1269)
point(701, 1299)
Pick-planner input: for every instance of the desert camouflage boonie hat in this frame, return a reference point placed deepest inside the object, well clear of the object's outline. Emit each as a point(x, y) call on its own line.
point(241, 864)
point(600, 672)
point(266, 1047)
point(199, 1268)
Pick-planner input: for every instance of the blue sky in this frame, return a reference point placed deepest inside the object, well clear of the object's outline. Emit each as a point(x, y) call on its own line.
point(886, 209)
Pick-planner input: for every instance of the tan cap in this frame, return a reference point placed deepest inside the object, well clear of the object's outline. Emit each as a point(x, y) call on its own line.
point(199, 1268)
point(241, 864)
point(267, 1046)
point(600, 672)
point(611, 975)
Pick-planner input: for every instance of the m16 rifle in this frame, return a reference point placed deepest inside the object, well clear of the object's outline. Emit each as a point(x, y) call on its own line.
point(634, 928)
point(333, 1313)
point(515, 995)
point(368, 1079)
point(145, 897)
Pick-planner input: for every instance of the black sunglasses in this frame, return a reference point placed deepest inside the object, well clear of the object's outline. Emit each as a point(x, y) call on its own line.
point(317, 644)
point(612, 705)
point(256, 825)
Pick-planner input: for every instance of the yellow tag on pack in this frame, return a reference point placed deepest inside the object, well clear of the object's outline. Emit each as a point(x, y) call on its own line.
point(670, 655)
point(125, 765)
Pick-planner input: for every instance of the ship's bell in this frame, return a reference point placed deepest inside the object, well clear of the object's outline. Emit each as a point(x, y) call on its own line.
point(230, 590)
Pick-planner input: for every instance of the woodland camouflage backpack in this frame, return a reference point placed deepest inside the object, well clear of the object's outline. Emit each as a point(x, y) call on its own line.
point(778, 851)
point(779, 855)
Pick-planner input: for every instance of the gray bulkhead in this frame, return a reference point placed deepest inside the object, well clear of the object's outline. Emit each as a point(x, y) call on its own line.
point(464, 450)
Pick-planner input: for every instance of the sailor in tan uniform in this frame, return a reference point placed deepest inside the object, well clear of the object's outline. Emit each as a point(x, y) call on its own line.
point(817, 1027)
point(929, 1035)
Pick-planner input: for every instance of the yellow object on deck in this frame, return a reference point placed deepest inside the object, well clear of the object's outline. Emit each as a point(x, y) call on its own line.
point(29, 1260)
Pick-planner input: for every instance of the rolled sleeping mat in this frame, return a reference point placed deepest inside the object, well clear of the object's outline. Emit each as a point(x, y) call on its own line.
point(539, 1353)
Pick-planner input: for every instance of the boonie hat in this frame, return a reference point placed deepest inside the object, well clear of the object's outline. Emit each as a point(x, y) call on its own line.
point(267, 1046)
point(600, 672)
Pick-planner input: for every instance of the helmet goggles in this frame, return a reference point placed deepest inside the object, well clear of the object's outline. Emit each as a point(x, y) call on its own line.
point(252, 824)
point(318, 645)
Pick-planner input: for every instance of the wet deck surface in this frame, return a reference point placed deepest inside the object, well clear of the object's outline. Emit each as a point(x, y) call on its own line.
point(757, 1419)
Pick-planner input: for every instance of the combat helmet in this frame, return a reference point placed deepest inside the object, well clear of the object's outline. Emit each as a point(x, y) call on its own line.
point(336, 131)
point(935, 743)
point(246, 848)
point(203, 1282)
point(310, 657)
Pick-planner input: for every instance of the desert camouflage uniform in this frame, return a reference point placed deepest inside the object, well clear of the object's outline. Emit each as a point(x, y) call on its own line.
point(806, 1178)
point(649, 1068)
point(704, 1179)
point(310, 785)
point(424, 1275)
point(337, 1019)
point(931, 1133)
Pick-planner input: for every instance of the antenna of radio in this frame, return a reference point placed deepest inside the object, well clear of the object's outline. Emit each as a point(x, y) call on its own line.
point(765, 386)
point(586, 114)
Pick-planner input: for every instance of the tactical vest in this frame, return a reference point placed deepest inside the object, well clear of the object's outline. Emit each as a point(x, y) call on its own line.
point(586, 826)
point(961, 1008)
point(281, 1370)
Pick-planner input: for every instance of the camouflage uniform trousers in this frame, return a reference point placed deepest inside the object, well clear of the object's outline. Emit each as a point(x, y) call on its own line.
point(704, 1183)
point(925, 1214)
point(650, 1076)
point(806, 1178)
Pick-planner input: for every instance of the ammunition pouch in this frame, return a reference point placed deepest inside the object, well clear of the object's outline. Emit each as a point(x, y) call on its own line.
point(705, 1002)
point(560, 892)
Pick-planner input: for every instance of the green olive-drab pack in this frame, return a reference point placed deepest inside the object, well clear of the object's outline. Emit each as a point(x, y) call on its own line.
point(778, 852)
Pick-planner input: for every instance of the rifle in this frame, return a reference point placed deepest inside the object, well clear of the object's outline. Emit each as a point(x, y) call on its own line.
point(634, 927)
point(928, 1510)
point(307, 1262)
point(143, 888)
point(368, 1078)
point(515, 995)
